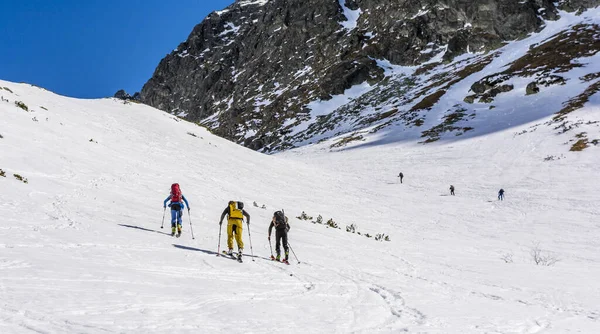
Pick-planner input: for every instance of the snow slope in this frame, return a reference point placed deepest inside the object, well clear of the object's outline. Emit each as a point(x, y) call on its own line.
point(474, 95)
point(81, 249)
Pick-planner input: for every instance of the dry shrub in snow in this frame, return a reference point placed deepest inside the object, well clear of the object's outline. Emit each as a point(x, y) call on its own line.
point(256, 205)
point(20, 178)
point(332, 223)
point(22, 105)
point(304, 216)
point(507, 258)
point(540, 257)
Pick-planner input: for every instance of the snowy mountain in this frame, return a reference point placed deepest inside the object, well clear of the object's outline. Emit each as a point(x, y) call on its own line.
point(82, 251)
point(273, 75)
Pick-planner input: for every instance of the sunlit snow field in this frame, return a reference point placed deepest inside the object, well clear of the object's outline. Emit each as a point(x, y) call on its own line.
point(82, 251)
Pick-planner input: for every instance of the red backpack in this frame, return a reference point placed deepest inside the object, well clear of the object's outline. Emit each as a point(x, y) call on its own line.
point(175, 193)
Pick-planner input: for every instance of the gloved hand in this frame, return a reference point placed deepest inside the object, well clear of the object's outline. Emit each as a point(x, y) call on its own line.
point(220, 223)
point(269, 237)
point(248, 222)
point(189, 209)
point(169, 205)
point(164, 206)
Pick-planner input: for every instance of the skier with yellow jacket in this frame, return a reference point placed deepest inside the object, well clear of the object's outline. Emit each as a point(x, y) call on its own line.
point(235, 214)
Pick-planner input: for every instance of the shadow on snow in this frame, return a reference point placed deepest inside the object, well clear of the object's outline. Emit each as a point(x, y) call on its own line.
point(195, 249)
point(215, 253)
point(143, 229)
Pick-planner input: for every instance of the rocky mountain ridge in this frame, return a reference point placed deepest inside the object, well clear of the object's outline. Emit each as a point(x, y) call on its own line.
point(272, 74)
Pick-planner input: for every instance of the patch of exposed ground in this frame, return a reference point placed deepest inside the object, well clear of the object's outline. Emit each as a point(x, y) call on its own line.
point(577, 102)
point(544, 62)
point(448, 125)
point(346, 140)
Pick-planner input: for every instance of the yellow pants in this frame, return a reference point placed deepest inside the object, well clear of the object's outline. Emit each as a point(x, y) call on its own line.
point(238, 233)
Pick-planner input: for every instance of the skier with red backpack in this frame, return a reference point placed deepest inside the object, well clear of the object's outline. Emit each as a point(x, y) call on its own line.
point(177, 207)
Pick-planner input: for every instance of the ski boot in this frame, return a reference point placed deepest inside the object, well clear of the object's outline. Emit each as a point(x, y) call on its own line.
point(178, 230)
point(173, 231)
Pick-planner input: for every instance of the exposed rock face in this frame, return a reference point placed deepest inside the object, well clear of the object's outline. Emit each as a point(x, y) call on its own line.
point(122, 94)
point(250, 72)
point(532, 88)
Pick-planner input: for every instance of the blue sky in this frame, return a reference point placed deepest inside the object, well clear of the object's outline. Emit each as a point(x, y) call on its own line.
point(92, 48)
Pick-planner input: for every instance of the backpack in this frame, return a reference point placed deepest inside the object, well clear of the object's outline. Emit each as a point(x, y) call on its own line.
point(280, 219)
point(175, 193)
point(236, 210)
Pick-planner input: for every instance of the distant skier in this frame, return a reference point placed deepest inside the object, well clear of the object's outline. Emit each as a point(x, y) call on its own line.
point(177, 207)
point(401, 176)
point(452, 190)
point(235, 214)
point(280, 222)
point(501, 195)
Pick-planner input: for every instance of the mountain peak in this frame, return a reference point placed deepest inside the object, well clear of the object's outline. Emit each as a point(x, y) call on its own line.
point(272, 77)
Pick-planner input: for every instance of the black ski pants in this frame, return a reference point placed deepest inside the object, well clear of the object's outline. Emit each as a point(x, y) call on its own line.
point(281, 236)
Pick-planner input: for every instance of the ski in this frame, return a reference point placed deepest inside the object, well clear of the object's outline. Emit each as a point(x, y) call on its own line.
point(230, 255)
point(282, 261)
point(233, 257)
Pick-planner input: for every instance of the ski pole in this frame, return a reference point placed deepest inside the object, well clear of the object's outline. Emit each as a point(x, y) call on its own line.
point(250, 238)
point(272, 257)
point(290, 246)
point(191, 229)
point(219, 247)
point(163, 221)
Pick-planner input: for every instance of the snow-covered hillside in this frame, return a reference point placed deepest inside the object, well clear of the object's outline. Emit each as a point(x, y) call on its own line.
point(81, 249)
point(467, 71)
point(550, 73)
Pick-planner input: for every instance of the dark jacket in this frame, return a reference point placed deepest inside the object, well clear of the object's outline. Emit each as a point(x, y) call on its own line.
point(285, 226)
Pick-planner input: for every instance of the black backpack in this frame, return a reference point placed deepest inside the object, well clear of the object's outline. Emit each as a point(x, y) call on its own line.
point(279, 219)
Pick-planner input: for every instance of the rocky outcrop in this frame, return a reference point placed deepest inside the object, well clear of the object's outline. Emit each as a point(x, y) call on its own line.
point(123, 95)
point(251, 71)
point(532, 88)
